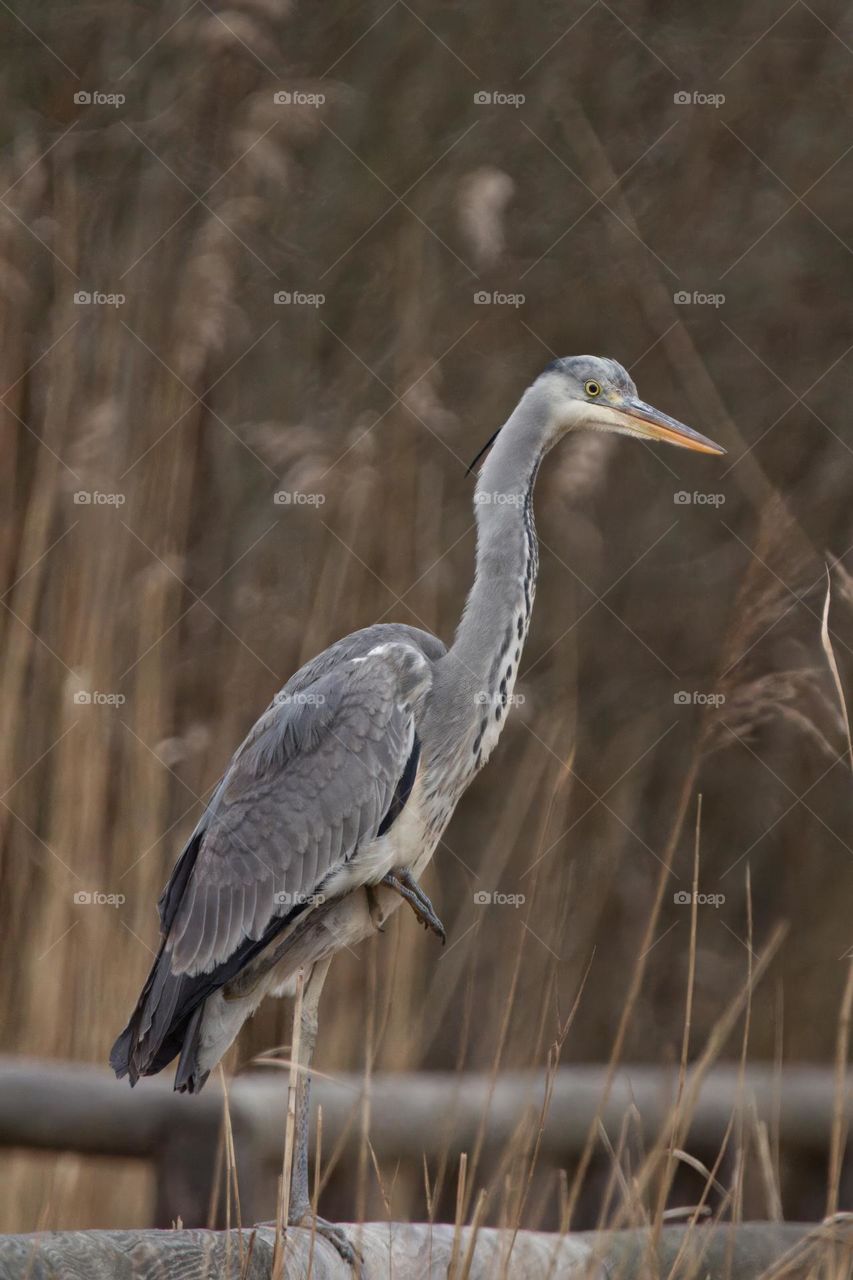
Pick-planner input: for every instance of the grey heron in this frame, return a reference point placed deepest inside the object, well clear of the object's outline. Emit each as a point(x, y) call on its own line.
point(331, 808)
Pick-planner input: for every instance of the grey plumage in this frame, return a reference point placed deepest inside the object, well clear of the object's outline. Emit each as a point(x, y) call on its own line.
point(349, 778)
point(313, 779)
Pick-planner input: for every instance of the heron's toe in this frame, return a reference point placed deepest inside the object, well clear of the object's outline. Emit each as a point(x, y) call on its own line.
point(336, 1237)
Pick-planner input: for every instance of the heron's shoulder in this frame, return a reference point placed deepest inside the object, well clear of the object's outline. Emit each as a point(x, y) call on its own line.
point(361, 644)
point(354, 687)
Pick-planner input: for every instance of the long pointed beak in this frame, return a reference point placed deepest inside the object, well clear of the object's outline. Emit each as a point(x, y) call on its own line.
point(650, 422)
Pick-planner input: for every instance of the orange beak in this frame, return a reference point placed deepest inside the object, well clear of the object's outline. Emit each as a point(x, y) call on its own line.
point(645, 420)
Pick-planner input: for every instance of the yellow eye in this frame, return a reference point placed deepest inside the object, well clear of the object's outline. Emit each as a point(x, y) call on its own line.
point(592, 389)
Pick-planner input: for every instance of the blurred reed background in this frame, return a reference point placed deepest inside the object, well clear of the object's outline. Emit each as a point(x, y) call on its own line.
point(193, 595)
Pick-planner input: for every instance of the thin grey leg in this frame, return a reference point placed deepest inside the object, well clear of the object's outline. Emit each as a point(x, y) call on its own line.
point(300, 1213)
point(300, 1196)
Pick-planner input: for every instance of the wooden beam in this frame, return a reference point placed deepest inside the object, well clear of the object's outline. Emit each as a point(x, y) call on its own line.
point(406, 1250)
point(61, 1106)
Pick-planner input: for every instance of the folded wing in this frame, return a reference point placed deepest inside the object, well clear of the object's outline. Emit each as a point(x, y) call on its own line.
point(313, 781)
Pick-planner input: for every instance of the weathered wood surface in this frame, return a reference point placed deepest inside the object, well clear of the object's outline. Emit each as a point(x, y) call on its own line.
point(419, 1252)
point(79, 1107)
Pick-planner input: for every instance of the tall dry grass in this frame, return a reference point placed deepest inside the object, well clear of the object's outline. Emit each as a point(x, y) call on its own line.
point(199, 398)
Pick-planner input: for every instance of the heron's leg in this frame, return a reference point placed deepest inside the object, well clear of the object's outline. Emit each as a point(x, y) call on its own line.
point(300, 1200)
point(300, 1213)
point(403, 882)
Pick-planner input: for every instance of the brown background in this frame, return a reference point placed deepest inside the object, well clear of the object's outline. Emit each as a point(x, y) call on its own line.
point(197, 399)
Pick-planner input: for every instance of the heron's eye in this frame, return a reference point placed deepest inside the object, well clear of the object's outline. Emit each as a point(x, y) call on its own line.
point(592, 389)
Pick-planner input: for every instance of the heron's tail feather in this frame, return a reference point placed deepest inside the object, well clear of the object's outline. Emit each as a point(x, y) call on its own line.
point(189, 1077)
point(166, 1019)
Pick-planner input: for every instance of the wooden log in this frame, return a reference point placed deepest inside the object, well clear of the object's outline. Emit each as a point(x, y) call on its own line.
point(413, 1251)
point(78, 1107)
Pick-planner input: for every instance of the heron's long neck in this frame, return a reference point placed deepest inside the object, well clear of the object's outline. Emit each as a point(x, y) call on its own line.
point(497, 612)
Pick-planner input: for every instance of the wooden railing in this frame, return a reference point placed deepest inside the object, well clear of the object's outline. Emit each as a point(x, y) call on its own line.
point(76, 1107)
point(412, 1251)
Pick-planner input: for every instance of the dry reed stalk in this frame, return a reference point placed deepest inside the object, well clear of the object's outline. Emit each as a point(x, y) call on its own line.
point(667, 1175)
point(766, 1166)
point(283, 1207)
point(231, 1164)
point(476, 1223)
point(838, 1137)
point(510, 823)
point(365, 1108)
point(459, 1216)
point(554, 1053)
point(493, 1075)
point(315, 1198)
point(716, 1040)
point(634, 985)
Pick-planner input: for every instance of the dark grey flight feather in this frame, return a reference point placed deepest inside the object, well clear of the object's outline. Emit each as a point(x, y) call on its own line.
point(315, 778)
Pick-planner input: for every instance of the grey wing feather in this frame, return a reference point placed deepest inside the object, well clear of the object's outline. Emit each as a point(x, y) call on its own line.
point(358, 644)
point(309, 784)
point(313, 778)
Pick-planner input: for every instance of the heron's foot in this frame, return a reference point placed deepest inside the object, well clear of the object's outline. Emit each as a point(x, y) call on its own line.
point(329, 1231)
point(334, 1234)
point(403, 882)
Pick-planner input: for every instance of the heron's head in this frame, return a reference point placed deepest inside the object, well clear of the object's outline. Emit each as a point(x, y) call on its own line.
point(594, 392)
